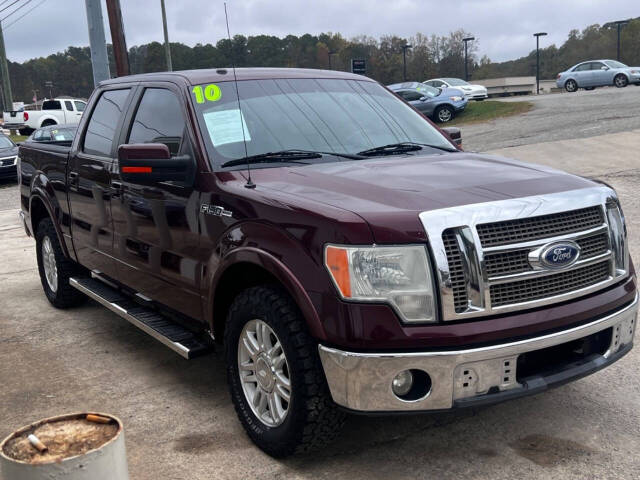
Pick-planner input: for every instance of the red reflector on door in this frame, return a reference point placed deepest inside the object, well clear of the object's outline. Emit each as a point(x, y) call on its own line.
point(136, 169)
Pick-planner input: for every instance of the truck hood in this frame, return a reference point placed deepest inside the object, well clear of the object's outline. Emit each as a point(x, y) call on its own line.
point(390, 192)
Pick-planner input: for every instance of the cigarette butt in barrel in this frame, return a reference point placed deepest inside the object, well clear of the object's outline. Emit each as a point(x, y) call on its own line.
point(97, 418)
point(35, 441)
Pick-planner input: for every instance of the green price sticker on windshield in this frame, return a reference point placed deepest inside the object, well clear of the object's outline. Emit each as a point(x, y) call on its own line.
point(210, 93)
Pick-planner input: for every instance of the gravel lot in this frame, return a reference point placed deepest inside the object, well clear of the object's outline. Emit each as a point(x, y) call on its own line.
point(179, 420)
point(559, 117)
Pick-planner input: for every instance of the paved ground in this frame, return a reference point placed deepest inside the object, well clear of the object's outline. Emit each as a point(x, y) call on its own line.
point(559, 117)
point(180, 423)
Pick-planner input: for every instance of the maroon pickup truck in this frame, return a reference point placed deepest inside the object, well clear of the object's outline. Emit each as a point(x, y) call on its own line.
point(346, 252)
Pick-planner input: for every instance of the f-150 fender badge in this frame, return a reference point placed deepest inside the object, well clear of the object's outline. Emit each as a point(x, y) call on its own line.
point(215, 210)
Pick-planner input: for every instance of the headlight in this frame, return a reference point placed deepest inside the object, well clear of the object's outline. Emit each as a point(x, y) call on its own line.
point(399, 275)
point(455, 98)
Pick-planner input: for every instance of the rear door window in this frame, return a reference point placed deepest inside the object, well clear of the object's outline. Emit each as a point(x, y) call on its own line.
point(159, 119)
point(104, 120)
point(68, 105)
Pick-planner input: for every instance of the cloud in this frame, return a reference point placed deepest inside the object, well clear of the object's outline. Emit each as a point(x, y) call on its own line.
point(503, 28)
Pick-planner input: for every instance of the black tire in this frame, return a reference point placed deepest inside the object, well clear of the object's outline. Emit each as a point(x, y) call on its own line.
point(25, 131)
point(571, 85)
point(64, 295)
point(443, 114)
point(621, 80)
point(312, 419)
point(46, 123)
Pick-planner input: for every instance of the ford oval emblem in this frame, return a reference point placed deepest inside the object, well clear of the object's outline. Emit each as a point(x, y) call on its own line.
point(559, 254)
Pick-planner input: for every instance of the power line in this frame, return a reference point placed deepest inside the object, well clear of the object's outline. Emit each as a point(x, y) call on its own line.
point(9, 6)
point(11, 13)
point(24, 14)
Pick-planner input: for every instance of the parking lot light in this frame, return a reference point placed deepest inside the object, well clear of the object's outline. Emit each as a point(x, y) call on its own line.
point(538, 35)
point(466, 71)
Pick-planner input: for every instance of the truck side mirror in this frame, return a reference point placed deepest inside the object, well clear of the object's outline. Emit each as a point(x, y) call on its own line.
point(455, 134)
point(151, 163)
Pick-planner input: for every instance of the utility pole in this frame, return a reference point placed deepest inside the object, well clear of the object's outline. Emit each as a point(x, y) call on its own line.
point(97, 42)
point(7, 99)
point(404, 61)
point(167, 48)
point(117, 38)
point(538, 35)
point(466, 70)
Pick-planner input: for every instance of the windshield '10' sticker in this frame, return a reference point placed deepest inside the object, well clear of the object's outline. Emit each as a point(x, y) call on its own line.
point(210, 93)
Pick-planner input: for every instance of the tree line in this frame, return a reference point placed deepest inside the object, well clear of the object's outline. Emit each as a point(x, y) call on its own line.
point(430, 56)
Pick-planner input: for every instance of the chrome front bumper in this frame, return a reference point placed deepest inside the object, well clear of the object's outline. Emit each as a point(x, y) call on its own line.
point(362, 381)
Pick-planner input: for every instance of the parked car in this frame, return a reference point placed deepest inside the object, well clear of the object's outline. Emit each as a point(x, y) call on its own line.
point(362, 263)
point(8, 158)
point(60, 134)
point(598, 73)
point(439, 104)
point(473, 92)
point(55, 111)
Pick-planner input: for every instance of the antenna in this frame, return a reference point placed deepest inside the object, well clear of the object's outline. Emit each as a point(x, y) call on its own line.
point(249, 183)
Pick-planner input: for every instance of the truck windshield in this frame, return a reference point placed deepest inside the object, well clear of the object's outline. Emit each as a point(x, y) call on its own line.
point(323, 115)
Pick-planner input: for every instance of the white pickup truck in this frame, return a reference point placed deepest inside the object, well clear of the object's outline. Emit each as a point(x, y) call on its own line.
point(54, 111)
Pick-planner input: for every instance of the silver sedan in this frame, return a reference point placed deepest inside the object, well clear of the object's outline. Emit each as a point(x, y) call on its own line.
point(598, 73)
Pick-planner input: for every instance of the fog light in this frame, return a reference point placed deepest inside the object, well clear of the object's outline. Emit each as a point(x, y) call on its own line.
point(402, 383)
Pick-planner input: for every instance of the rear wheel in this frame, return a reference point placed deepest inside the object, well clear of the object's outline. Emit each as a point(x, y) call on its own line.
point(25, 131)
point(275, 377)
point(571, 86)
point(621, 81)
point(54, 268)
point(47, 123)
point(443, 113)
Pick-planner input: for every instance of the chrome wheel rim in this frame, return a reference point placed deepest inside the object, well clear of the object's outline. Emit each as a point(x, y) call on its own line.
point(571, 85)
point(49, 264)
point(264, 373)
point(444, 115)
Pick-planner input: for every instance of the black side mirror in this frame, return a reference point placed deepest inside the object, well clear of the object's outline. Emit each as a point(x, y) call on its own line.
point(455, 134)
point(151, 163)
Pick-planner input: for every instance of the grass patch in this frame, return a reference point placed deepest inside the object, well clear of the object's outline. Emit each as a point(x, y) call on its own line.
point(18, 138)
point(486, 110)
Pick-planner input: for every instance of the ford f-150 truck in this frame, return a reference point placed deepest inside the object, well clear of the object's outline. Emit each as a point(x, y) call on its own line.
point(346, 253)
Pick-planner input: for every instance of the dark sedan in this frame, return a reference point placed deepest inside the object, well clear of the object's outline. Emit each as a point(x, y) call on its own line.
point(8, 158)
point(439, 104)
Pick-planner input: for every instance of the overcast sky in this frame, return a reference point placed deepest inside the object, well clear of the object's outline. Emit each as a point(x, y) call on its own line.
point(503, 28)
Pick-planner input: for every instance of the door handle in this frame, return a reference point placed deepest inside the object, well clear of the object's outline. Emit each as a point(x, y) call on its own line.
point(116, 185)
point(73, 176)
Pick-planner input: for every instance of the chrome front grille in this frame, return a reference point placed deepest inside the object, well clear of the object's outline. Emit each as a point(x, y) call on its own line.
point(487, 255)
point(544, 226)
point(456, 270)
point(549, 285)
point(517, 261)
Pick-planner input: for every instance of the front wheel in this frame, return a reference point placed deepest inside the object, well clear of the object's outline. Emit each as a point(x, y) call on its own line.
point(444, 113)
point(621, 81)
point(571, 86)
point(54, 268)
point(275, 377)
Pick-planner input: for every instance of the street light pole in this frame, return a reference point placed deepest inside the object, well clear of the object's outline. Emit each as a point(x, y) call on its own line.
point(167, 47)
point(619, 24)
point(404, 61)
point(538, 35)
point(466, 69)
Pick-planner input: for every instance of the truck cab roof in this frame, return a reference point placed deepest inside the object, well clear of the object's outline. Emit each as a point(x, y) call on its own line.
point(195, 77)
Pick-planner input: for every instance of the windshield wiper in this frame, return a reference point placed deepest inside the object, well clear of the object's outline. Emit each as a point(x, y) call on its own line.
point(289, 156)
point(402, 147)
